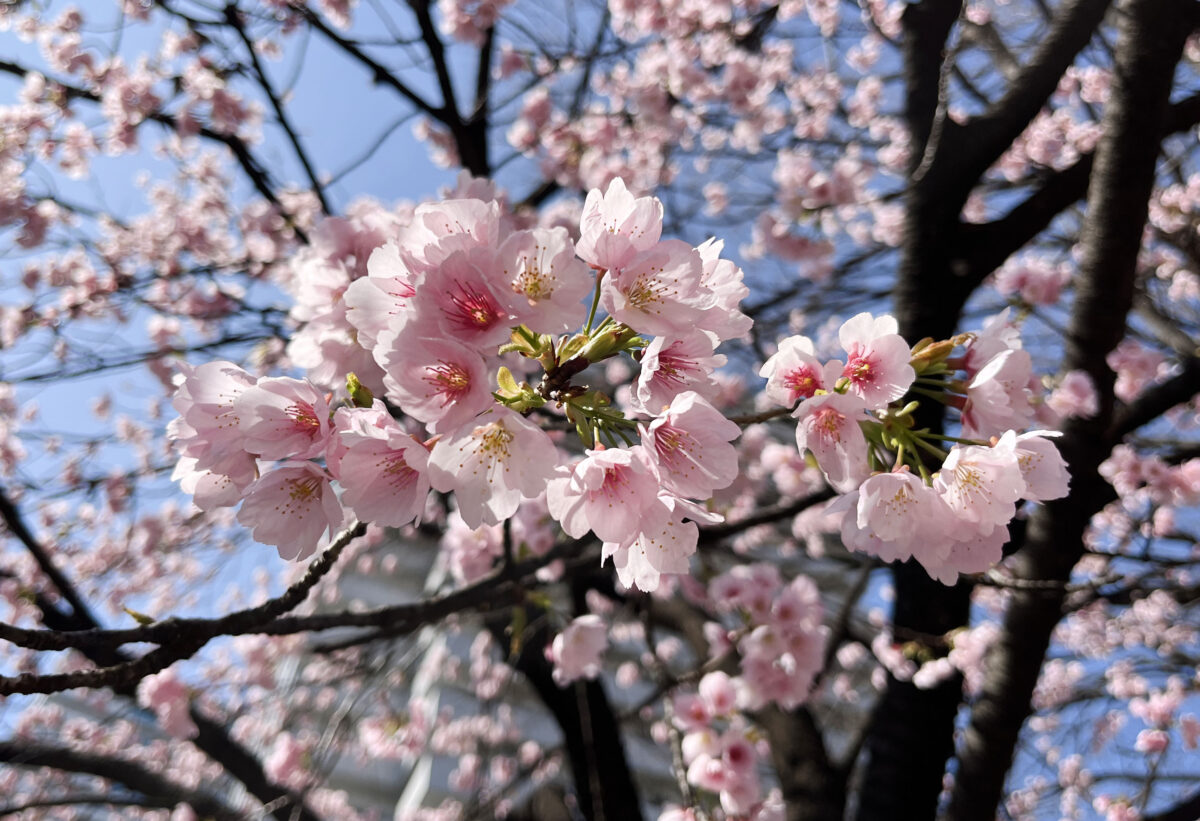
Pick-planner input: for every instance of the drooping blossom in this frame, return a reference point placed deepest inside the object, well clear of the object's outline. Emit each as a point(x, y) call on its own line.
point(1042, 465)
point(828, 425)
point(998, 396)
point(981, 484)
point(609, 492)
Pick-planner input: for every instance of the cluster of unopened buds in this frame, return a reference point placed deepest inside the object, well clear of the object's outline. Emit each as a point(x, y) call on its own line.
point(480, 338)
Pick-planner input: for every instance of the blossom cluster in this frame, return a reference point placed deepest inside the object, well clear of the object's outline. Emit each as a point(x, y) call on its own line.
point(446, 316)
point(856, 418)
point(453, 312)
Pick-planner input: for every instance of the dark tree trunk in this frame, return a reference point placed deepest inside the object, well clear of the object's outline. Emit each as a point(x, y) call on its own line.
point(1152, 33)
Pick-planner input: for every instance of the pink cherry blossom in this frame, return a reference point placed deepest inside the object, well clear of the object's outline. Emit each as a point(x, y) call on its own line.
point(1042, 466)
point(981, 484)
point(491, 463)
point(1074, 396)
point(672, 365)
point(608, 492)
point(658, 291)
point(895, 516)
point(998, 397)
point(793, 372)
point(541, 267)
point(283, 418)
point(383, 470)
point(441, 382)
point(577, 651)
point(724, 280)
point(877, 363)
point(975, 553)
point(377, 305)
point(170, 700)
point(292, 508)
point(657, 549)
point(615, 226)
point(689, 447)
point(828, 425)
point(464, 301)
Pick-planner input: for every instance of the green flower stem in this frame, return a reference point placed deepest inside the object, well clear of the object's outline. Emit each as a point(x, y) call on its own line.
point(587, 329)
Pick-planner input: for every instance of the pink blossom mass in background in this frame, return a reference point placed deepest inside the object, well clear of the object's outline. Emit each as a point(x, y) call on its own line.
point(694, 411)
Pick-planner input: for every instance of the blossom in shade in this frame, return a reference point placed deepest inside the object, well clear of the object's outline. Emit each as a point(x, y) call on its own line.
point(211, 489)
point(877, 359)
point(577, 651)
point(383, 470)
point(377, 305)
point(828, 426)
point(998, 396)
point(1075, 396)
point(1042, 466)
point(205, 400)
point(439, 381)
point(724, 280)
point(283, 418)
point(170, 700)
point(641, 561)
point(292, 507)
point(689, 446)
point(615, 226)
point(973, 554)
point(895, 516)
point(490, 463)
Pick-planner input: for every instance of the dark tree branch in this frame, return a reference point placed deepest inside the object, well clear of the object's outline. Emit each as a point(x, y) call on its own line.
point(984, 138)
point(1155, 401)
point(17, 527)
point(1186, 810)
point(910, 736)
point(211, 738)
point(156, 790)
point(1151, 41)
point(989, 245)
point(380, 74)
point(591, 733)
point(813, 788)
point(257, 174)
point(234, 18)
point(175, 630)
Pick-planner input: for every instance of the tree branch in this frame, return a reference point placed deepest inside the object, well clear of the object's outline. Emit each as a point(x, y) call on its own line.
point(985, 137)
point(157, 790)
point(233, 17)
point(1151, 41)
